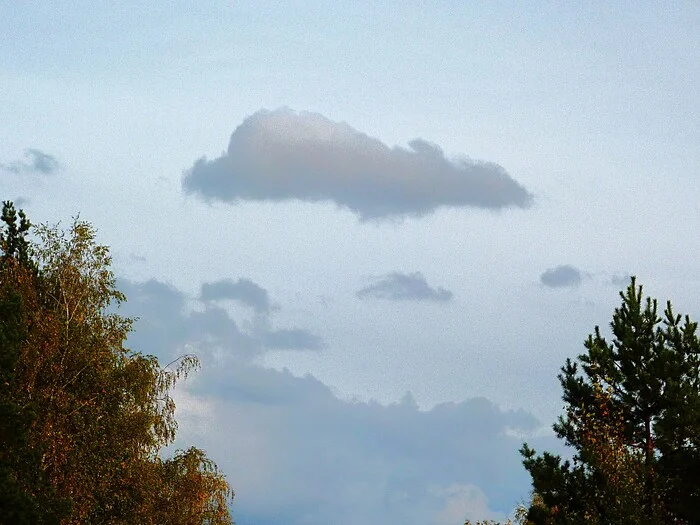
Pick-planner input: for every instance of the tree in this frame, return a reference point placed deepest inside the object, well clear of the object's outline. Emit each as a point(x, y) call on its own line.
point(519, 515)
point(191, 490)
point(86, 418)
point(13, 241)
point(20, 460)
point(633, 419)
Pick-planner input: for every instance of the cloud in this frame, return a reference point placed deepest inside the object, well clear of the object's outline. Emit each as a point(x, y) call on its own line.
point(36, 161)
point(465, 502)
point(169, 324)
point(621, 280)
point(404, 287)
point(20, 201)
point(244, 290)
point(135, 258)
point(561, 276)
point(283, 155)
point(297, 454)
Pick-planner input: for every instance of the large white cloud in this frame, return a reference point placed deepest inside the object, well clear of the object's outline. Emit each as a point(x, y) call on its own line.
point(281, 155)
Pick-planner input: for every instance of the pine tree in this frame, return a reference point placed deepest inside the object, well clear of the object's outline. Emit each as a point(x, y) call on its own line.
point(633, 420)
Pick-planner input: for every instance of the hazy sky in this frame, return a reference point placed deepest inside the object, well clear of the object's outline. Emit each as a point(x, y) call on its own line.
point(382, 227)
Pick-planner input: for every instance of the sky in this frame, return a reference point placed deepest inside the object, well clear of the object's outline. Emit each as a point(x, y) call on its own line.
point(382, 227)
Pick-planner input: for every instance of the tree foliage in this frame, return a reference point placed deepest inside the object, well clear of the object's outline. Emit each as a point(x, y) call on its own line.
point(83, 418)
point(633, 420)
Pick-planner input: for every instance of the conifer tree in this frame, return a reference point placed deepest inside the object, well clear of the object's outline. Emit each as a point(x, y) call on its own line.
point(633, 421)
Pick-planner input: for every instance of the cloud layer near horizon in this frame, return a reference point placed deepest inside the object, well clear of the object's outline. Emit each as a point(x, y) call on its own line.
point(283, 155)
point(297, 454)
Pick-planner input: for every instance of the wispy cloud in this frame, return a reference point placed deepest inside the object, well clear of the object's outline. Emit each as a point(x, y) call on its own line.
point(282, 155)
point(20, 201)
point(621, 279)
point(35, 161)
point(561, 276)
point(404, 287)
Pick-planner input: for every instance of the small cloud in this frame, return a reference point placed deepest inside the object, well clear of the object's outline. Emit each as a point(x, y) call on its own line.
point(244, 291)
point(561, 276)
point(283, 155)
point(36, 161)
point(404, 287)
point(621, 280)
point(42, 162)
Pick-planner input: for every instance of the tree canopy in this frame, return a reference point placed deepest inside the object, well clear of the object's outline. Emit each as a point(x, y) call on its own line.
point(83, 419)
point(633, 420)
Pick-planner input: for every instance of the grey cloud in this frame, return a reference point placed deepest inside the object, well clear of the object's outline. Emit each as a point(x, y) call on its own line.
point(297, 454)
point(404, 287)
point(36, 161)
point(243, 290)
point(165, 328)
point(303, 456)
point(282, 155)
point(42, 162)
point(561, 276)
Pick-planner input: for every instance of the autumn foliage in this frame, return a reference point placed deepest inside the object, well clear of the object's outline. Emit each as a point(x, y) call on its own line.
point(83, 419)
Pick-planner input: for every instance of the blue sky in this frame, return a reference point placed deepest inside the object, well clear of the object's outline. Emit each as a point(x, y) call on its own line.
point(380, 319)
